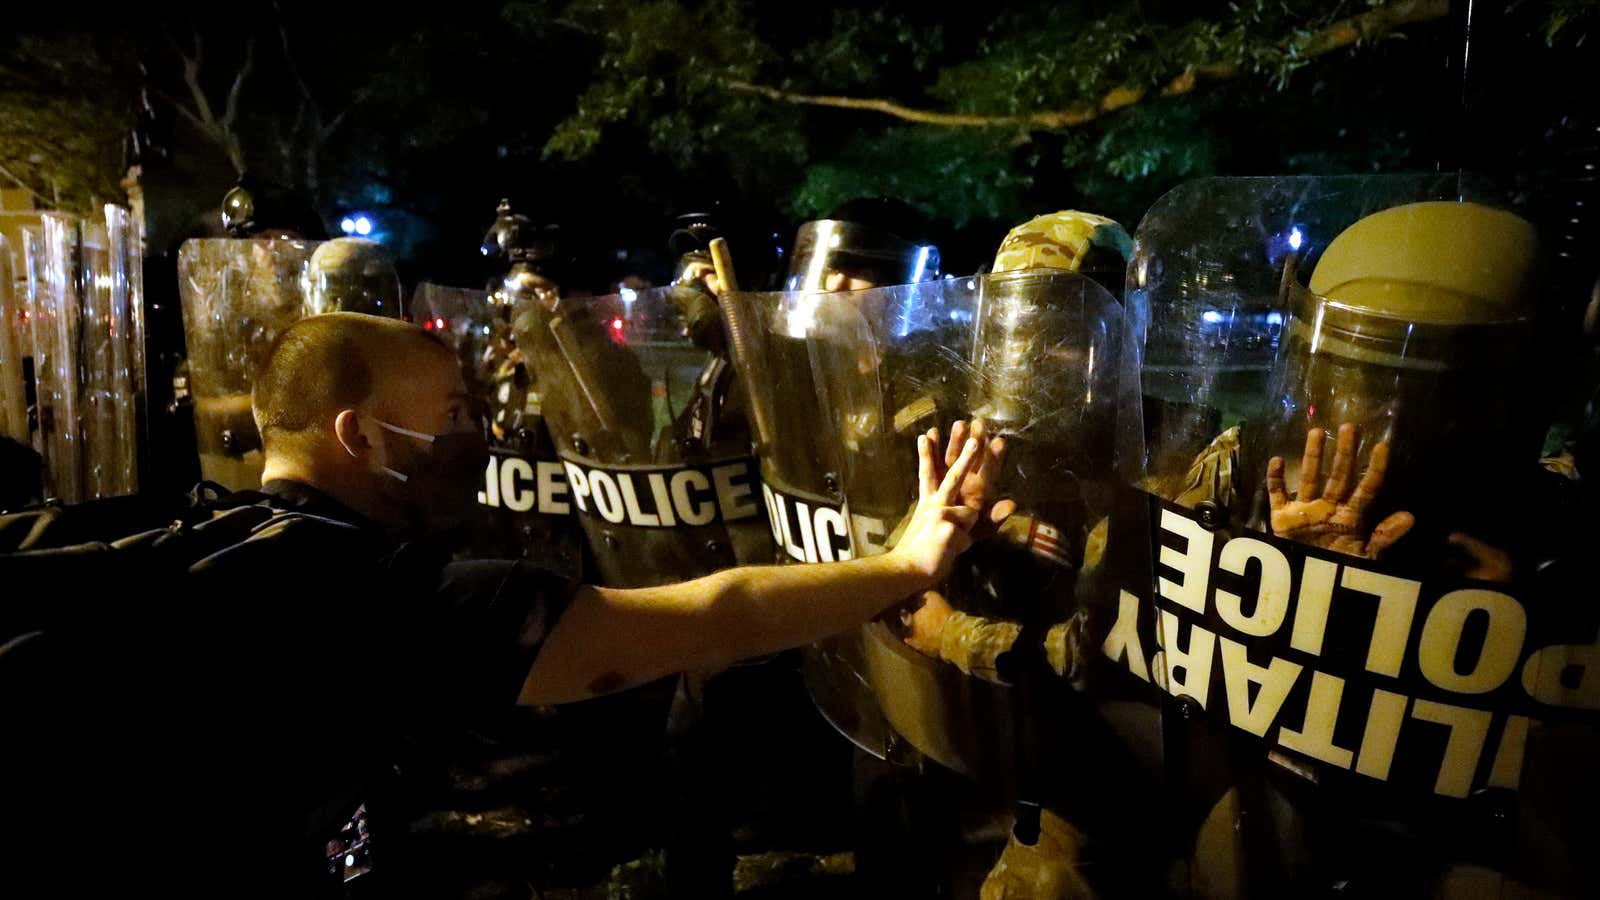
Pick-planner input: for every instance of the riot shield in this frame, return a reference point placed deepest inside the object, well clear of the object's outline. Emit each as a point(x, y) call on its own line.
point(527, 509)
point(110, 425)
point(1354, 591)
point(54, 303)
point(76, 325)
point(1035, 355)
point(794, 437)
point(237, 296)
point(15, 345)
point(125, 330)
point(663, 492)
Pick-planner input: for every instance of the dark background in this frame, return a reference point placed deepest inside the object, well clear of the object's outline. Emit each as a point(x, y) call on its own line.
point(609, 118)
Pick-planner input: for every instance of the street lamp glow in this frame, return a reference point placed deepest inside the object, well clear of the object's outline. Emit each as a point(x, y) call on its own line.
point(348, 225)
point(363, 226)
point(1295, 239)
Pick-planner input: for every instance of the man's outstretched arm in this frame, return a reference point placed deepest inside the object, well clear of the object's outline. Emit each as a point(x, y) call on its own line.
point(610, 639)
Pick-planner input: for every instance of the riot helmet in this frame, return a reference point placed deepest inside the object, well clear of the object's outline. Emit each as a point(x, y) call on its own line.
point(863, 244)
point(352, 274)
point(256, 208)
point(1072, 241)
point(1029, 281)
point(1404, 332)
point(531, 250)
point(695, 286)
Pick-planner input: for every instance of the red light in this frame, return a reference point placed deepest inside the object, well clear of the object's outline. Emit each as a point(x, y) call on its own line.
point(439, 324)
point(616, 324)
point(428, 325)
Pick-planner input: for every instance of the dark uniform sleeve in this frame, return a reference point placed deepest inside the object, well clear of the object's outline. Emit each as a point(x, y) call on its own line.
point(493, 618)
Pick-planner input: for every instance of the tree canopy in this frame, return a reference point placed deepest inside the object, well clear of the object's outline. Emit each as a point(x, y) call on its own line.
point(618, 113)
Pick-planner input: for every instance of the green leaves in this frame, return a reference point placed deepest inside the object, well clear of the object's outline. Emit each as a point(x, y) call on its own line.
point(662, 72)
point(66, 107)
point(660, 67)
point(952, 176)
point(1570, 21)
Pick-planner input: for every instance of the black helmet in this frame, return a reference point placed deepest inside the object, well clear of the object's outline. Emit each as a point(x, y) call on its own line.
point(876, 240)
point(254, 207)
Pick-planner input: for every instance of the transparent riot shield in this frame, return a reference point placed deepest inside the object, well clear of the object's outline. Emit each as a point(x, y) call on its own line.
point(76, 337)
point(1036, 356)
point(125, 330)
point(29, 288)
point(16, 343)
point(109, 404)
point(1354, 596)
point(95, 361)
point(55, 306)
point(661, 495)
point(794, 434)
point(237, 296)
point(527, 509)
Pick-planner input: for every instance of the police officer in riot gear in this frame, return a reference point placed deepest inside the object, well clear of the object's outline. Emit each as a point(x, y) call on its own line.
point(714, 410)
point(526, 511)
point(513, 394)
point(1035, 359)
point(862, 244)
point(1387, 412)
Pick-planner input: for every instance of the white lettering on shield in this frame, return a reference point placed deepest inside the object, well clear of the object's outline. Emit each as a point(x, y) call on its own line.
point(665, 498)
point(525, 485)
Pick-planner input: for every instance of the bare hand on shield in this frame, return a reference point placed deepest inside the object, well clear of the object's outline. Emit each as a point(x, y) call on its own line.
point(1332, 516)
point(956, 496)
point(978, 489)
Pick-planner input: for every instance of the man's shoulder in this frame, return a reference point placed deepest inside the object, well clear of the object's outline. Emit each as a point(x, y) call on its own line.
point(291, 537)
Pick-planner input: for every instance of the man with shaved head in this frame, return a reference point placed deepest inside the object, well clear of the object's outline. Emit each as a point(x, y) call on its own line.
point(346, 624)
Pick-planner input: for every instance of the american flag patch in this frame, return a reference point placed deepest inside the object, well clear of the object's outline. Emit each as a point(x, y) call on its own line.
point(1045, 540)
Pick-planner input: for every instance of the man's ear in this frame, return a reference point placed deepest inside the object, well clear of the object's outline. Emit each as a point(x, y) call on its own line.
point(347, 431)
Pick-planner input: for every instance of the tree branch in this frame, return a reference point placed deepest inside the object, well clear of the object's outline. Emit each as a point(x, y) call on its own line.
point(23, 184)
point(323, 131)
point(230, 112)
point(288, 55)
point(191, 78)
point(184, 111)
point(1336, 36)
point(202, 117)
point(333, 125)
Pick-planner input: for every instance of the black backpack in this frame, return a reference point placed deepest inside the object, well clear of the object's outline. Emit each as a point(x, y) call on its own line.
point(58, 562)
point(81, 585)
